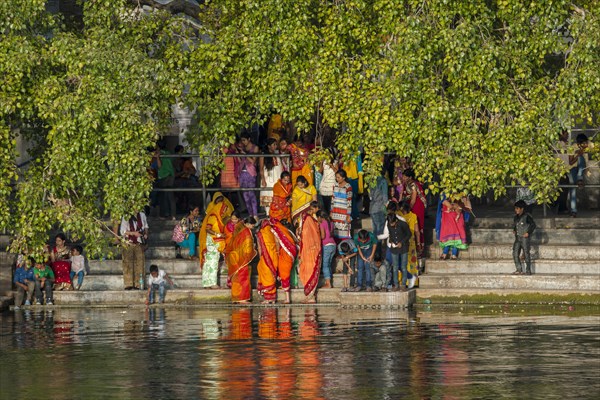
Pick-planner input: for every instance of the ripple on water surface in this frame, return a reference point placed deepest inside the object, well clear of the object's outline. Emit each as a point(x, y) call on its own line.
point(284, 353)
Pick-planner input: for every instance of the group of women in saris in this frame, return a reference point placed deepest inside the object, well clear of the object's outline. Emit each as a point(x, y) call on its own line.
point(278, 249)
point(223, 232)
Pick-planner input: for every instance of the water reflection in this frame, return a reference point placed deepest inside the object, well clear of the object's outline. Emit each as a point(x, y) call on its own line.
point(287, 353)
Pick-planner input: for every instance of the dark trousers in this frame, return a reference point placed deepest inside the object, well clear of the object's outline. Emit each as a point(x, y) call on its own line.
point(522, 243)
point(166, 200)
point(326, 203)
point(47, 289)
point(133, 265)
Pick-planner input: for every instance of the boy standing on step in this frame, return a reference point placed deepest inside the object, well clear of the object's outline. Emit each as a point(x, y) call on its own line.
point(523, 227)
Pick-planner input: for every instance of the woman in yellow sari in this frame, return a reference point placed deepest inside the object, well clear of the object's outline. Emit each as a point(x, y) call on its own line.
point(303, 194)
point(413, 261)
point(239, 252)
point(212, 239)
point(277, 249)
point(310, 253)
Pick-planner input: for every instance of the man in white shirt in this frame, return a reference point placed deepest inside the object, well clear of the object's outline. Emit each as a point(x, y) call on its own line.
point(134, 232)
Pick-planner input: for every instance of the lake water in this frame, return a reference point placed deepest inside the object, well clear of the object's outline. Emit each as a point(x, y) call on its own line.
point(293, 353)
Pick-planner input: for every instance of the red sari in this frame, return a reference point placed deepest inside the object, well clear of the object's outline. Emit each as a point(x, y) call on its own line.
point(61, 267)
point(310, 255)
point(418, 208)
point(239, 252)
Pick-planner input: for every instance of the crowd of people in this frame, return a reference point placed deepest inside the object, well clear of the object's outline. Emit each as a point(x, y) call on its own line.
point(36, 280)
point(305, 223)
point(298, 224)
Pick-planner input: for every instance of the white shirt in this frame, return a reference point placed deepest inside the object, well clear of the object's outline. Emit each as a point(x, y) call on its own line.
point(124, 227)
point(328, 181)
point(160, 278)
point(77, 263)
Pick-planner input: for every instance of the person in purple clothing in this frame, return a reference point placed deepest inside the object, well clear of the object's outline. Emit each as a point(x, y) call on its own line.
point(248, 173)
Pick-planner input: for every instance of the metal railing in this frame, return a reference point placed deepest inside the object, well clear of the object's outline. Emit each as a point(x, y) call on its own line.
point(205, 190)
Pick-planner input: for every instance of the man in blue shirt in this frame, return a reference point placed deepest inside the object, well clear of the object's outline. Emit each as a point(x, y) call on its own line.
point(366, 243)
point(25, 282)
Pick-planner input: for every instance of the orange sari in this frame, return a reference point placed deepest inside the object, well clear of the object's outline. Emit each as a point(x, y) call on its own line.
point(278, 250)
point(239, 252)
point(280, 210)
point(310, 255)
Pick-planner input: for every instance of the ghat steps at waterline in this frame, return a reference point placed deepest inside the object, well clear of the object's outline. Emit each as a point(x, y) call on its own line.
point(565, 253)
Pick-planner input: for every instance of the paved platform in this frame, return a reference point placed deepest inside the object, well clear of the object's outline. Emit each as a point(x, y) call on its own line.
point(184, 297)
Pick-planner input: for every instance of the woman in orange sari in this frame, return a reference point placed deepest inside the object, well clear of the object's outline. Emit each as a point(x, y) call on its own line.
point(303, 194)
point(310, 253)
point(277, 249)
point(239, 252)
point(282, 192)
point(212, 239)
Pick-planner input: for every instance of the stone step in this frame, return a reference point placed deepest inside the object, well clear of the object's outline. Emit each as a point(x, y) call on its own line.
point(540, 236)
point(490, 251)
point(556, 222)
point(170, 265)
point(518, 282)
point(539, 266)
point(427, 293)
point(220, 296)
point(115, 282)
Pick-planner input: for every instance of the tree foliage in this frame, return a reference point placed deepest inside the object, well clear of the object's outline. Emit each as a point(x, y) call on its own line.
point(474, 92)
point(102, 95)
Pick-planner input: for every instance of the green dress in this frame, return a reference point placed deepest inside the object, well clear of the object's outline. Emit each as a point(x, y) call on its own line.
point(210, 269)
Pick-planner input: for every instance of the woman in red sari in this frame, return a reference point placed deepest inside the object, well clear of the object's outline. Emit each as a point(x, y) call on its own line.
point(61, 263)
point(310, 253)
point(413, 193)
point(282, 192)
point(239, 252)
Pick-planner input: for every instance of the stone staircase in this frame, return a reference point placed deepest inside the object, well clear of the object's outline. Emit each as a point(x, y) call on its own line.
point(565, 259)
point(565, 253)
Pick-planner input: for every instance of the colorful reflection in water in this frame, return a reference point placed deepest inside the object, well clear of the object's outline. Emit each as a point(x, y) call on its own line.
point(287, 353)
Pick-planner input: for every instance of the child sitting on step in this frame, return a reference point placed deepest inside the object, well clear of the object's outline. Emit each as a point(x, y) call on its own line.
point(77, 266)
